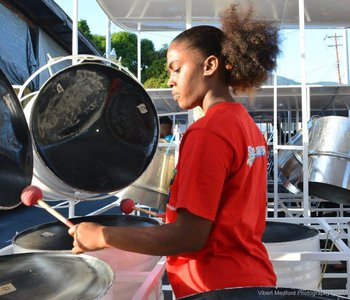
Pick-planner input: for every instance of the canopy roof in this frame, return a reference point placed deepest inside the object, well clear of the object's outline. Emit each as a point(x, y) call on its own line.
point(170, 15)
point(324, 100)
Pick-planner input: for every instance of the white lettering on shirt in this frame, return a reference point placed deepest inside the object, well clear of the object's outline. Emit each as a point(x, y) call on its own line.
point(254, 153)
point(171, 207)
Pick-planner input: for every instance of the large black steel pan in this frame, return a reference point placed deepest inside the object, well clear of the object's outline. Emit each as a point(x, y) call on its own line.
point(94, 127)
point(43, 276)
point(53, 236)
point(16, 157)
point(280, 232)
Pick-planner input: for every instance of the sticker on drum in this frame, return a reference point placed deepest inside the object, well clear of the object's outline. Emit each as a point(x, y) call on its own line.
point(6, 289)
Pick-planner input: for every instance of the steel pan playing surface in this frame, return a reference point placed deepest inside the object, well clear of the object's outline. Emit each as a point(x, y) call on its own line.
point(54, 236)
point(53, 276)
point(94, 127)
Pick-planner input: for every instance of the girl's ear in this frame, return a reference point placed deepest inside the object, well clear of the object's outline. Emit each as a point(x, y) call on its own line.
point(211, 65)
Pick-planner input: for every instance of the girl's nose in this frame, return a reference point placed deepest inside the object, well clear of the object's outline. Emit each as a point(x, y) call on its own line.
point(170, 83)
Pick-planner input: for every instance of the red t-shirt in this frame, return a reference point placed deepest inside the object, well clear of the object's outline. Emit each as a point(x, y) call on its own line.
point(221, 176)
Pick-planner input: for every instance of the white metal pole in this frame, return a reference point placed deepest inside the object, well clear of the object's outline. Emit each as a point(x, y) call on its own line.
point(289, 124)
point(71, 208)
point(275, 148)
point(188, 14)
point(308, 107)
point(188, 20)
point(304, 108)
point(139, 52)
point(108, 38)
point(297, 118)
point(75, 30)
point(346, 57)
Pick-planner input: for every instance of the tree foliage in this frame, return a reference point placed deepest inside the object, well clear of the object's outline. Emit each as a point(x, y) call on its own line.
point(153, 62)
point(84, 28)
point(155, 75)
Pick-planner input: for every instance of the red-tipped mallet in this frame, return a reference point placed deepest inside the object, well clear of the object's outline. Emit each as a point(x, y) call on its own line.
point(32, 195)
point(127, 206)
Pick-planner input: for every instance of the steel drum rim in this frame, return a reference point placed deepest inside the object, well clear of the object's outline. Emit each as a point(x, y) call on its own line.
point(13, 105)
point(335, 154)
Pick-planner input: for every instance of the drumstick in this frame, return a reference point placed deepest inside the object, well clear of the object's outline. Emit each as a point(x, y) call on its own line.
point(127, 206)
point(32, 195)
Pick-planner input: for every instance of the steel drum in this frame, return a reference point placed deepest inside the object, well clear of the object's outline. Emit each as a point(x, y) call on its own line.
point(16, 159)
point(152, 187)
point(280, 232)
point(53, 276)
point(329, 159)
point(54, 237)
point(282, 237)
point(263, 293)
point(95, 129)
point(290, 162)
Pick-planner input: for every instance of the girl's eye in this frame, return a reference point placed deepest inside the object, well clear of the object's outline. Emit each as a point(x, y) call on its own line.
point(173, 71)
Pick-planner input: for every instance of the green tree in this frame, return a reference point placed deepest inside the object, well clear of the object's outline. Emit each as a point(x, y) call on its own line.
point(148, 53)
point(84, 28)
point(153, 63)
point(125, 44)
point(99, 41)
point(155, 74)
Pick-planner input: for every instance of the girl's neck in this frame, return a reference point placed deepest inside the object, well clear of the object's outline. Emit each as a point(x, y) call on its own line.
point(211, 100)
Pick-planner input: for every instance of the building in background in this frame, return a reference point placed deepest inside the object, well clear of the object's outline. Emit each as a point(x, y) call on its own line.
point(32, 31)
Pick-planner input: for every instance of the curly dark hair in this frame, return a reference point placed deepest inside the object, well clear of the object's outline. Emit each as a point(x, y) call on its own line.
point(247, 48)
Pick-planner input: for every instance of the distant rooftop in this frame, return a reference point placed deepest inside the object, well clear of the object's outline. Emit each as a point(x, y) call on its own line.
point(47, 15)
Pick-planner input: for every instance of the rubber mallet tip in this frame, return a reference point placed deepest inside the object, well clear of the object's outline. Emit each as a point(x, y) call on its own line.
point(31, 195)
point(127, 206)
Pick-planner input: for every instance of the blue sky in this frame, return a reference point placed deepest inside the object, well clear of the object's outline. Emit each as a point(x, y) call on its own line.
point(320, 55)
point(98, 21)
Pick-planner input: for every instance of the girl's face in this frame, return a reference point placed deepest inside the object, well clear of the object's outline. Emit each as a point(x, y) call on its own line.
point(186, 75)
